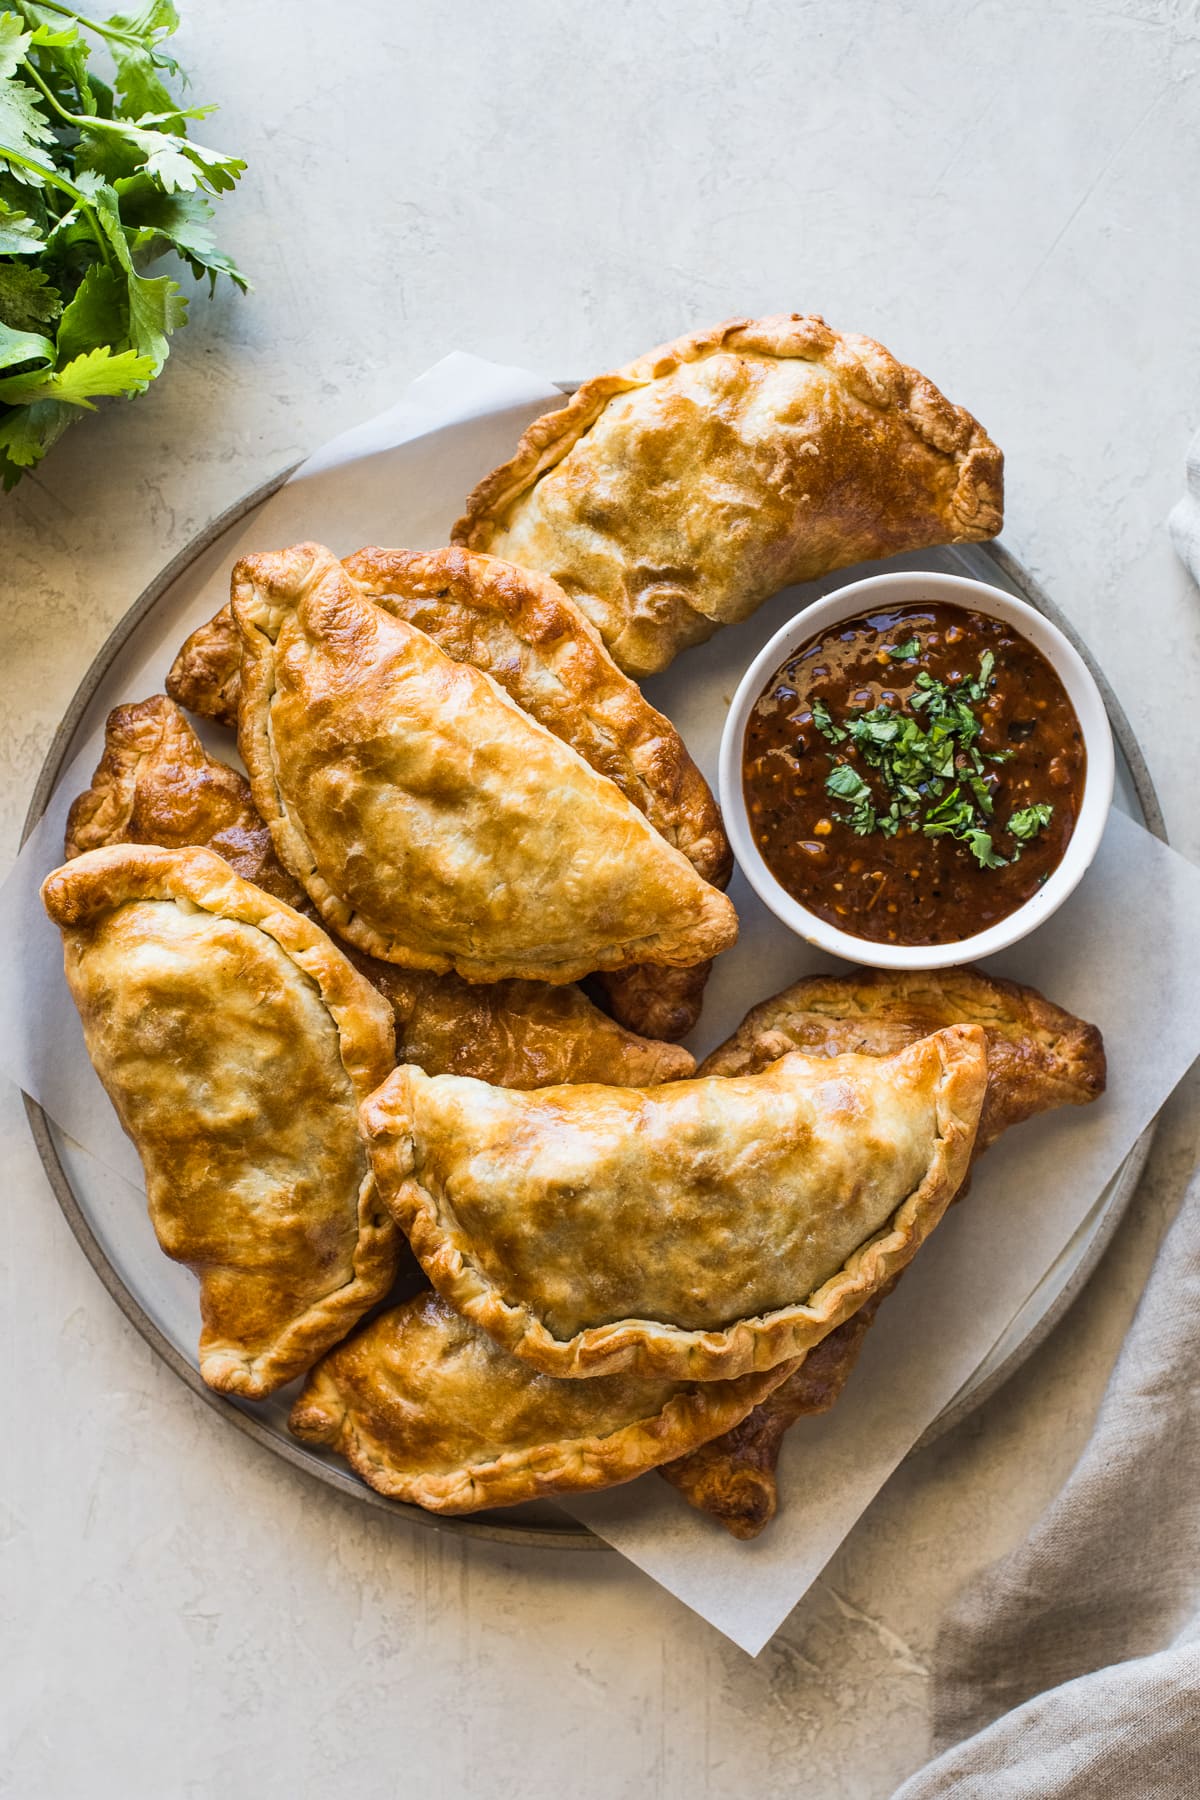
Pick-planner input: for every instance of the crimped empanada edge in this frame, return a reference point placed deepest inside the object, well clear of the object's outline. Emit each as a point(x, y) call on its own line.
point(285, 575)
point(101, 880)
point(1073, 1047)
point(541, 614)
point(570, 1466)
point(872, 372)
point(647, 1347)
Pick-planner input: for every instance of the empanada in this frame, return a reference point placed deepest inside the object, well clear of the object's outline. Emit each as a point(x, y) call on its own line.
point(1039, 1057)
point(675, 495)
point(157, 784)
point(731, 1477)
point(432, 822)
point(235, 1043)
point(429, 1409)
point(702, 1229)
point(522, 630)
point(518, 1034)
point(206, 676)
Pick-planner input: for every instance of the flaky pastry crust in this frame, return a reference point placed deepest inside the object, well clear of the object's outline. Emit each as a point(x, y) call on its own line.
point(431, 821)
point(157, 784)
point(521, 629)
point(731, 1477)
point(674, 495)
point(206, 676)
point(235, 1043)
point(702, 1229)
point(518, 1034)
point(1039, 1058)
point(427, 1408)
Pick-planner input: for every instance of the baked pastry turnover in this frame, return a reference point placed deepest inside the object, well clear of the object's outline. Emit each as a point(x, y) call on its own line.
point(1039, 1058)
point(235, 1043)
point(432, 822)
point(521, 629)
point(701, 1229)
point(674, 495)
point(157, 784)
point(429, 1409)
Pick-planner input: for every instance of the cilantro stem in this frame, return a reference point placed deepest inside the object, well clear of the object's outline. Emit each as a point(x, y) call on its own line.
point(44, 173)
point(81, 121)
point(53, 179)
point(105, 31)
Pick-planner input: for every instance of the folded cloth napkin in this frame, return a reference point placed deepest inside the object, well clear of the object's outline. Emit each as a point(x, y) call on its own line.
point(1071, 1671)
point(1185, 518)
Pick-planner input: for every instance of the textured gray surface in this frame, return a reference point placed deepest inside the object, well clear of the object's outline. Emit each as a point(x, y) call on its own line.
point(1006, 199)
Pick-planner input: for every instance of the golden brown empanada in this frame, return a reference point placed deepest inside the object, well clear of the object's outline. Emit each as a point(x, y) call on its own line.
point(675, 495)
point(235, 1043)
point(157, 784)
point(518, 1034)
point(206, 676)
point(1039, 1057)
point(698, 1230)
point(429, 1409)
point(432, 822)
point(521, 629)
point(731, 1477)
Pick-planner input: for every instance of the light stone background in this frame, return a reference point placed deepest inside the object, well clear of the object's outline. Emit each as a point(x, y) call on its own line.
point(1005, 194)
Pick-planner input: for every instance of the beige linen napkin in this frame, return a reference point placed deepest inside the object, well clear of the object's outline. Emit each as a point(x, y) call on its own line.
point(1071, 1670)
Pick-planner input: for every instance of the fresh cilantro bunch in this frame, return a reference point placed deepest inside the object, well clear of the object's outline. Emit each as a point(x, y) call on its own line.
point(98, 178)
point(935, 779)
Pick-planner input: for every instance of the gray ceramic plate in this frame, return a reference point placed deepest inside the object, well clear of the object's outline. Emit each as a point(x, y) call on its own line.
point(155, 1294)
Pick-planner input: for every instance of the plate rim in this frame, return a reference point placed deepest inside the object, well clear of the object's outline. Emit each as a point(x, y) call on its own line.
point(571, 1535)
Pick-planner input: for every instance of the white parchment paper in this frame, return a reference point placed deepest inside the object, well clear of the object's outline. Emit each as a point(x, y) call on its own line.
point(1122, 952)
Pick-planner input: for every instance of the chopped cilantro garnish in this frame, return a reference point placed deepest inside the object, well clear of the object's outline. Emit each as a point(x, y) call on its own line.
point(846, 783)
point(980, 844)
point(824, 724)
point(930, 768)
point(1029, 821)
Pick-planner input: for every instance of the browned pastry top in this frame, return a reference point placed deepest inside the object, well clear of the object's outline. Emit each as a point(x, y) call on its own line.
point(236, 1044)
point(674, 495)
point(428, 1408)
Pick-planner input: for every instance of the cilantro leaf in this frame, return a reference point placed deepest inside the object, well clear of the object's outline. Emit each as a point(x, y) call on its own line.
point(19, 234)
point(906, 651)
point(98, 313)
point(84, 379)
point(27, 432)
point(14, 42)
point(27, 298)
point(979, 843)
point(845, 783)
point(824, 724)
point(23, 346)
point(24, 128)
point(1026, 823)
point(98, 178)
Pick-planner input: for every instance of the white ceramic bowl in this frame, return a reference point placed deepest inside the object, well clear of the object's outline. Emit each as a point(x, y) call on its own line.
point(882, 593)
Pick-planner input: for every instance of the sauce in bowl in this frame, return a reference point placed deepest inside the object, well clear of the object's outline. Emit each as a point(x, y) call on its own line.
point(913, 776)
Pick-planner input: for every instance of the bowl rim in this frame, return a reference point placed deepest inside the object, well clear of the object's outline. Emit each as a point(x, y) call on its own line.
point(904, 587)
